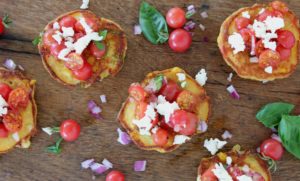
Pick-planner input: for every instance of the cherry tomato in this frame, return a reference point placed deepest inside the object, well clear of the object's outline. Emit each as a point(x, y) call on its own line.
point(2, 27)
point(165, 126)
point(91, 22)
point(279, 6)
point(180, 40)
point(75, 61)
point(208, 175)
point(115, 176)
point(271, 148)
point(184, 122)
point(263, 16)
point(69, 130)
point(140, 110)
point(188, 101)
point(160, 138)
point(5, 90)
point(4, 23)
point(48, 40)
point(3, 131)
point(284, 52)
point(67, 21)
point(242, 22)
point(56, 48)
point(269, 58)
point(95, 51)
point(78, 35)
point(176, 17)
point(286, 39)
point(137, 92)
point(170, 91)
point(246, 34)
point(259, 47)
point(12, 121)
point(18, 97)
point(84, 73)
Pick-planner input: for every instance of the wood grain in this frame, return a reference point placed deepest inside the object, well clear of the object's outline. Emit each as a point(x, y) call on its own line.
point(98, 138)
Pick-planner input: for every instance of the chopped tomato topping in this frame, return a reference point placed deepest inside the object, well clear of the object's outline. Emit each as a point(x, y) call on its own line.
point(269, 58)
point(5, 90)
point(48, 40)
point(208, 175)
point(242, 22)
point(95, 51)
point(235, 172)
point(188, 101)
point(84, 73)
point(285, 53)
point(137, 92)
point(12, 121)
point(56, 48)
point(78, 35)
point(247, 34)
point(140, 110)
point(18, 97)
point(286, 38)
point(75, 61)
point(263, 16)
point(91, 22)
point(67, 21)
point(160, 138)
point(170, 91)
point(259, 47)
point(184, 122)
point(279, 6)
point(3, 131)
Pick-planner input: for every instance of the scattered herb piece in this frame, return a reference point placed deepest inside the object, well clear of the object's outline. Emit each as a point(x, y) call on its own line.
point(158, 81)
point(36, 40)
point(55, 148)
point(99, 45)
point(103, 33)
point(6, 21)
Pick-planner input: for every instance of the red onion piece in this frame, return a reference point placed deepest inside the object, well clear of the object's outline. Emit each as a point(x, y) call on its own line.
point(226, 135)
point(103, 98)
point(190, 25)
point(204, 14)
point(276, 137)
point(87, 163)
point(21, 67)
point(229, 78)
point(94, 109)
point(233, 92)
point(137, 30)
point(190, 7)
point(140, 166)
point(107, 163)
point(123, 138)
point(9, 64)
point(98, 168)
point(202, 126)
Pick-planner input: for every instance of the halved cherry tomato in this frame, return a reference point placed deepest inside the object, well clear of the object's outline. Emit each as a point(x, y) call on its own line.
point(176, 17)
point(69, 130)
point(137, 92)
point(18, 97)
point(95, 51)
point(180, 40)
point(140, 109)
point(78, 35)
point(67, 21)
point(259, 47)
point(48, 40)
point(188, 101)
point(5, 90)
point(115, 176)
point(279, 6)
point(12, 121)
point(84, 73)
point(272, 148)
point(242, 22)
point(286, 38)
point(208, 175)
point(184, 122)
point(3, 131)
point(165, 126)
point(285, 53)
point(75, 61)
point(56, 48)
point(269, 58)
point(235, 172)
point(160, 138)
point(91, 22)
point(170, 91)
point(263, 16)
point(246, 34)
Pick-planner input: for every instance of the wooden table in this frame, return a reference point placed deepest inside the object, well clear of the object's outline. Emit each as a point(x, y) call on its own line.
point(98, 138)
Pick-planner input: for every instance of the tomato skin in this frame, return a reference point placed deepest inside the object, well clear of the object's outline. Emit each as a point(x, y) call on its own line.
point(2, 27)
point(279, 6)
point(48, 40)
point(67, 21)
point(3, 131)
point(137, 92)
point(170, 91)
point(56, 48)
point(5, 89)
point(286, 39)
point(242, 22)
point(176, 17)
point(140, 109)
point(284, 52)
point(180, 40)
point(115, 176)
point(160, 138)
point(235, 172)
point(84, 73)
point(263, 16)
point(184, 122)
point(247, 35)
point(92, 24)
point(69, 130)
point(272, 148)
point(208, 175)
point(95, 51)
point(12, 121)
point(18, 98)
point(269, 58)
point(259, 48)
point(75, 61)
point(188, 101)
point(78, 35)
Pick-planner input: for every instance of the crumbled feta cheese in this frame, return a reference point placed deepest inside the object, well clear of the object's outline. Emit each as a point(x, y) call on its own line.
point(202, 27)
point(269, 69)
point(228, 160)
point(270, 44)
point(85, 4)
point(274, 23)
point(63, 53)
point(259, 28)
point(103, 98)
point(48, 130)
point(57, 37)
point(67, 32)
point(154, 130)
point(201, 77)
point(84, 41)
point(244, 178)
point(3, 106)
point(16, 136)
point(69, 44)
point(181, 76)
point(86, 27)
point(161, 99)
point(69, 39)
point(213, 145)
point(180, 139)
point(145, 124)
point(253, 60)
point(166, 109)
point(150, 112)
point(236, 42)
point(246, 14)
point(246, 169)
point(262, 11)
point(229, 78)
point(56, 25)
point(221, 173)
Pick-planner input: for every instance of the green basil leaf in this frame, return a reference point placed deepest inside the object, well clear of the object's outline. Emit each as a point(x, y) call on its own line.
point(55, 148)
point(158, 81)
point(103, 33)
point(36, 40)
point(270, 114)
point(99, 45)
point(153, 24)
point(289, 132)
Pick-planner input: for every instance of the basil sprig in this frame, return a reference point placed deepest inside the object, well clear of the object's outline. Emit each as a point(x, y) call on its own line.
point(270, 114)
point(153, 24)
point(37, 40)
point(55, 148)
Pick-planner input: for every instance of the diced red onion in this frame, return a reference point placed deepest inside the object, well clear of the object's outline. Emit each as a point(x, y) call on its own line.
point(94, 109)
point(107, 163)
point(98, 168)
point(137, 30)
point(103, 98)
point(276, 137)
point(233, 92)
point(190, 25)
point(202, 126)
point(190, 7)
point(123, 138)
point(87, 163)
point(140, 166)
point(202, 27)
point(206, 39)
point(226, 135)
point(9, 64)
point(204, 14)
point(21, 67)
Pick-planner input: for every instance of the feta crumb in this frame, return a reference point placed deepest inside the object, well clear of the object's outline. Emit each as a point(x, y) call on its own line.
point(229, 78)
point(103, 98)
point(86, 27)
point(228, 160)
point(145, 124)
point(236, 42)
point(246, 168)
point(259, 28)
point(226, 135)
point(161, 99)
point(3, 106)
point(48, 130)
point(270, 44)
point(154, 130)
point(246, 14)
point(85, 4)
point(269, 69)
point(166, 109)
point(213, 145)
point(63, 53)
point(262, 11)
point(57, 37)
point(274, 23)
point(201, 77)
point(202, 27)
point(56, 25)
point(181, 76)
point(180, 139)
point(67, 32)
point(253, 60)
point(16, 136)
point(244, 178)
point(84, 41)
point(221, 173)
point(150, 112)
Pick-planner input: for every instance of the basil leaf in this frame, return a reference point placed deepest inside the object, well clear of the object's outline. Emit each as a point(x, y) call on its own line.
point(289, 132)
point(153, 24)
point(55, 148)
point(36, 40)
point(158, 80)
point(103, 34)
point(99, 45)
point(270, 114)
